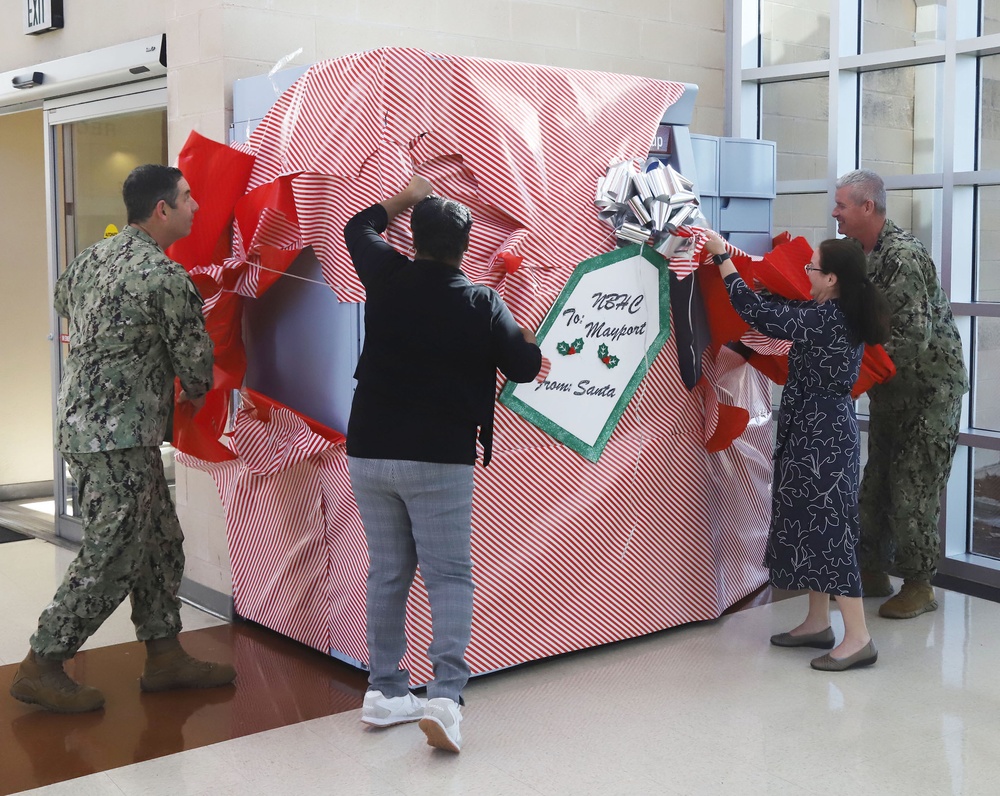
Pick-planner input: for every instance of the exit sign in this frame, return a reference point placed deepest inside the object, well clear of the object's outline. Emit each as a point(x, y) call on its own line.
point(42, 15)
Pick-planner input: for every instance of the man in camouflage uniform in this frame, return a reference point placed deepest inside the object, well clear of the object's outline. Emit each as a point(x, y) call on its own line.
point(135, 322)
point(913, 430)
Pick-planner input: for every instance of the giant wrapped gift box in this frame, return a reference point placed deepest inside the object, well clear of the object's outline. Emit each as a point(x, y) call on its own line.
point(567, 553)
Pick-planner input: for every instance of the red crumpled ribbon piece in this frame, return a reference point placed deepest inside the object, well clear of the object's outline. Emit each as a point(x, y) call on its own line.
point(732, 421)
point(782, 272)
point(219, 175)
point(197, 433)
point(272, 199)
point(511, 262)
point(265, 215)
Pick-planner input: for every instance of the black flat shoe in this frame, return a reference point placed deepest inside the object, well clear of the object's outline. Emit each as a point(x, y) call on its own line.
point(823, 640)
point(865, 656)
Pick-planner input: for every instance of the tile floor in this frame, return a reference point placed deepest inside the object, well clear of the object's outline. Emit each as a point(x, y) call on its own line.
point(30, 571)
point(702, 709)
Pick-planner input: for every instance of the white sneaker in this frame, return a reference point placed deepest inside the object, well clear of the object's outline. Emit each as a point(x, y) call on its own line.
point(382, 711)
point(442, 717)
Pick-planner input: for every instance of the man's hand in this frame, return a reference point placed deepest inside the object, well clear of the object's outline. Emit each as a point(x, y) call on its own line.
point(528, 335)
point(417, 189)
point(197, 403)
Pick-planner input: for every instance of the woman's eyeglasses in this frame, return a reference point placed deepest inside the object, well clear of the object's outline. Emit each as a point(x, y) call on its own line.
point(810, 268)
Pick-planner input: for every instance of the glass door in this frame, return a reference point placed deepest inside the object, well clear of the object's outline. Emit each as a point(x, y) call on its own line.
point(92, 143)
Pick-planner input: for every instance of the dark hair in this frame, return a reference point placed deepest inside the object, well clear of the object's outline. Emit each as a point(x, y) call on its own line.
point(441, 228)
point(146, 186)
point(863, 304)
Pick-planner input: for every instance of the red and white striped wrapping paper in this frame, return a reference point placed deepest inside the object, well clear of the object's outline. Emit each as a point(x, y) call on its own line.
point(567, 553)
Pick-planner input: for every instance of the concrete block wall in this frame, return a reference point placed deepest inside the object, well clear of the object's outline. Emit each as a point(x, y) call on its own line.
point(988, 284)
point(888, 25)
point(796, 116)
point(205, 544)
point(989, 244)
point(793, 31)
point(803, 214)
point(888, 122)
point(899, 107)
point(988, 287)
point(88, 26)
point(219, 42)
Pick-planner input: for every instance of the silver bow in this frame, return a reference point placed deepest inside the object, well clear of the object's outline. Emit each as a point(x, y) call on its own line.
point(649, 204)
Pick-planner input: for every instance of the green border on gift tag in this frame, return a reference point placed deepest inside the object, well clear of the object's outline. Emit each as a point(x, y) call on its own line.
point(546, 423)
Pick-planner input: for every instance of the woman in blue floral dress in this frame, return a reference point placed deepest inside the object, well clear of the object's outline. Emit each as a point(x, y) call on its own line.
point(814, 515)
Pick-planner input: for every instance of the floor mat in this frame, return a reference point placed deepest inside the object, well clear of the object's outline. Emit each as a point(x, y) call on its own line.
point(7, 535)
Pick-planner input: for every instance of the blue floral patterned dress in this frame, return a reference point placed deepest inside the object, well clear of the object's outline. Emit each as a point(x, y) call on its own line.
point(814, 497)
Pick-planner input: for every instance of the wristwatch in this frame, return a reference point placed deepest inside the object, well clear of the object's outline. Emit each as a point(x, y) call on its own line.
point(719, 259)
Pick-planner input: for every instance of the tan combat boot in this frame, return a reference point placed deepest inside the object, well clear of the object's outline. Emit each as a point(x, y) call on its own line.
point(168, 666)
point(875, 584)
point(915, 598)
point(42, 681)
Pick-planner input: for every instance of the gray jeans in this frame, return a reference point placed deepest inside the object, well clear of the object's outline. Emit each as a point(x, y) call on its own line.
point(416, 513)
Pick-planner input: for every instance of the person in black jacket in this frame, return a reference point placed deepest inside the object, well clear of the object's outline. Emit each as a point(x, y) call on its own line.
point(426, 384)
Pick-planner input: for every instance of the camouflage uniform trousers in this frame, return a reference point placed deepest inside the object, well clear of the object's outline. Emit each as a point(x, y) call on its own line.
point(909, 460)
point(132, 545)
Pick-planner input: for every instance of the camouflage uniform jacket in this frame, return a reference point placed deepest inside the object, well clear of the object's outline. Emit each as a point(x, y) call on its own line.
point(925, 346)
point(135, 322)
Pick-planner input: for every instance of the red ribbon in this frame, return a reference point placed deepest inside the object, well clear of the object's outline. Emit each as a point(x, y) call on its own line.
point(511, 262)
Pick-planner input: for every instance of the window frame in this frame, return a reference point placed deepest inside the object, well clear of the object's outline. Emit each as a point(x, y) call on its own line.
point(958, 51)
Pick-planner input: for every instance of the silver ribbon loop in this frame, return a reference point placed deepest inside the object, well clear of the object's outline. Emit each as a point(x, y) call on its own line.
point(649, 204)
point(615, 187)
point(633, 232)
point(636, 206)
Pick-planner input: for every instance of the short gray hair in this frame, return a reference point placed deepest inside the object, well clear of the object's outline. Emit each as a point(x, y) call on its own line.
point(865, 184)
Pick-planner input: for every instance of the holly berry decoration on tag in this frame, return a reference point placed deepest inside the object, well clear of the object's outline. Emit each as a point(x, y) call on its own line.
point(568, 349)
point(605, 357)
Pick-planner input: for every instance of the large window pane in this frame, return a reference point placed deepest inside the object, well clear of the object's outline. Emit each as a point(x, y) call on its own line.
point(919, 212)
point(901, 121)
point(892, 24)
point(991, 17)
point(989, 111)
point(986, 375)
point(986, 502)
point(803, 214)
point(988, 226)
point(796, 116)
point(793, 31)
